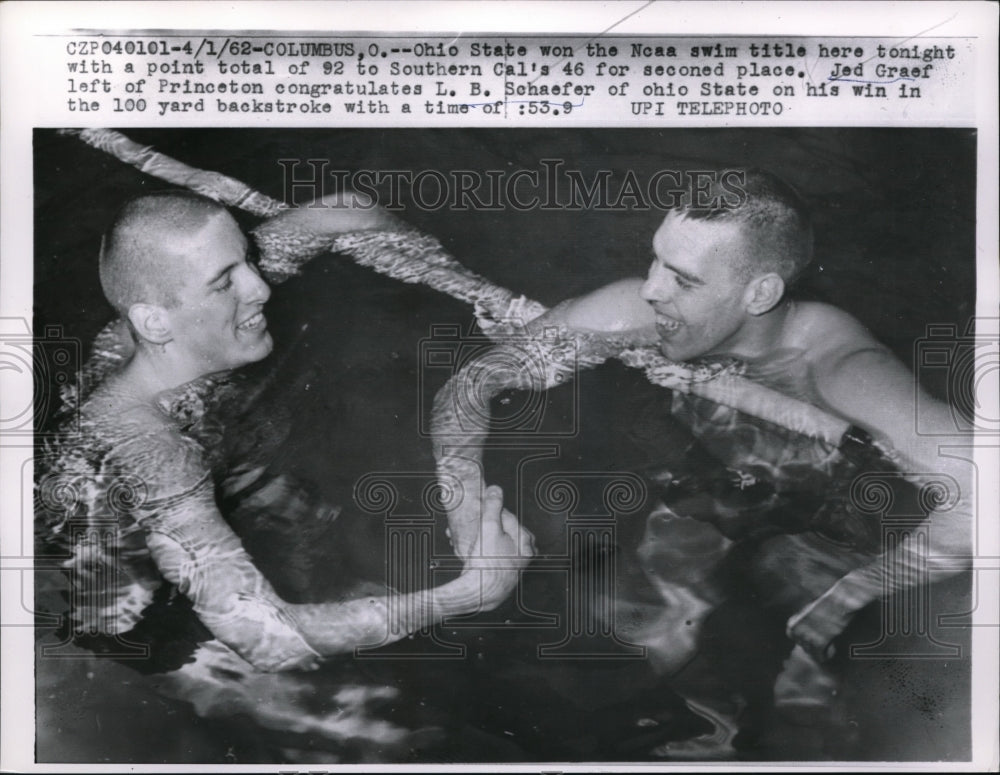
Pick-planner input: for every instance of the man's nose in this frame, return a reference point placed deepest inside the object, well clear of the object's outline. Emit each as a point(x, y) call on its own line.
point(256, 291)
point(651, 290)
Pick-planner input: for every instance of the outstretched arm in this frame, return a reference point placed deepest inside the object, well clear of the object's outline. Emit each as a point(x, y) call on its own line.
point(195, 549)
point(545, 353)
point(876, 392)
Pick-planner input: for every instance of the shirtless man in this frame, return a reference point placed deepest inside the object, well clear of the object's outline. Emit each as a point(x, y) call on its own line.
point(175, 266)
point(716, 288)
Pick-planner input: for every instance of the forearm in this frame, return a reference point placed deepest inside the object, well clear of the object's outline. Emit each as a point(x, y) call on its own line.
point(336, 628)
point(915, 553)
point(243, 611)
point(461, 417)
point(289, 240)
point(458, 437)
point(918, 551)
point(931, 461)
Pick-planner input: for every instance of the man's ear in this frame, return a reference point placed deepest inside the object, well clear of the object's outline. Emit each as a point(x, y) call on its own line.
point(151, 322)
point(763, 293)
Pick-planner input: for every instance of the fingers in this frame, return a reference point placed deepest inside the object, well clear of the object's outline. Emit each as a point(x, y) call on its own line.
point(507, 520)
point(491, 526)
point(501, 534)
point(526, 539)
point(492, 506)
point(509, 523)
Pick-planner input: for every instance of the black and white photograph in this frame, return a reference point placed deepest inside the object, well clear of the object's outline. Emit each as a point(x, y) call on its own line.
point(406, 452)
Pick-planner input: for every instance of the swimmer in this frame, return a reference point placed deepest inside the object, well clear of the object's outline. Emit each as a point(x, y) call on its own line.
point(717, 288)
point(176, 268)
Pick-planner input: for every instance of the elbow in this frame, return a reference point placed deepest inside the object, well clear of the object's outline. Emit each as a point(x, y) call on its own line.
point(950, 550)
point(951, 536)
point(263, 634)
point(957, 548)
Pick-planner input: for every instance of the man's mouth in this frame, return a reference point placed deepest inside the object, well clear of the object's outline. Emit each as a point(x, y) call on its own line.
point(253, 323)
point(667, 326)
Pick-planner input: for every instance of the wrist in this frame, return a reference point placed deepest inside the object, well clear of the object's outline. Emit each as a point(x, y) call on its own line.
point(463, 595)
point(463, 526)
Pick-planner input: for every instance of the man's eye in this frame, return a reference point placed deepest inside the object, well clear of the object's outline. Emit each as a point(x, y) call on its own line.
point(684, 284)
point(225, 286)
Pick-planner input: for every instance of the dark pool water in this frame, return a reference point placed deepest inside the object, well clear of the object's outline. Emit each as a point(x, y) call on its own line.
point(895, 234)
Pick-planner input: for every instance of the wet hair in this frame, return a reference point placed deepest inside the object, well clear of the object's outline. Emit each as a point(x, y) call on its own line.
point(772, 214)
point(136, 263)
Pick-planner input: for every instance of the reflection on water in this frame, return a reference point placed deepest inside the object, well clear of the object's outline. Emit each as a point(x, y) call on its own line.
point(220, 685)
point(349, 403)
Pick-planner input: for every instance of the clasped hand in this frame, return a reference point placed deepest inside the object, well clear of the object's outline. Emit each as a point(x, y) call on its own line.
point(501, 550)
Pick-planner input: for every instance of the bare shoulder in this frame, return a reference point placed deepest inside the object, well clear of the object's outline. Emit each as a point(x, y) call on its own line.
point(144, 442)
point(616, 307)
point(855, 374)
point(111, 410)
point(825, 330)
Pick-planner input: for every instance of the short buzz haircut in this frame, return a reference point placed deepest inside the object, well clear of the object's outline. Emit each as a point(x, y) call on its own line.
point(772, 213)
point(135, 262)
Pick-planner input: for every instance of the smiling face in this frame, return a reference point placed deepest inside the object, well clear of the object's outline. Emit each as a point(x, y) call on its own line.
point(696, 287)
point(217, 320)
